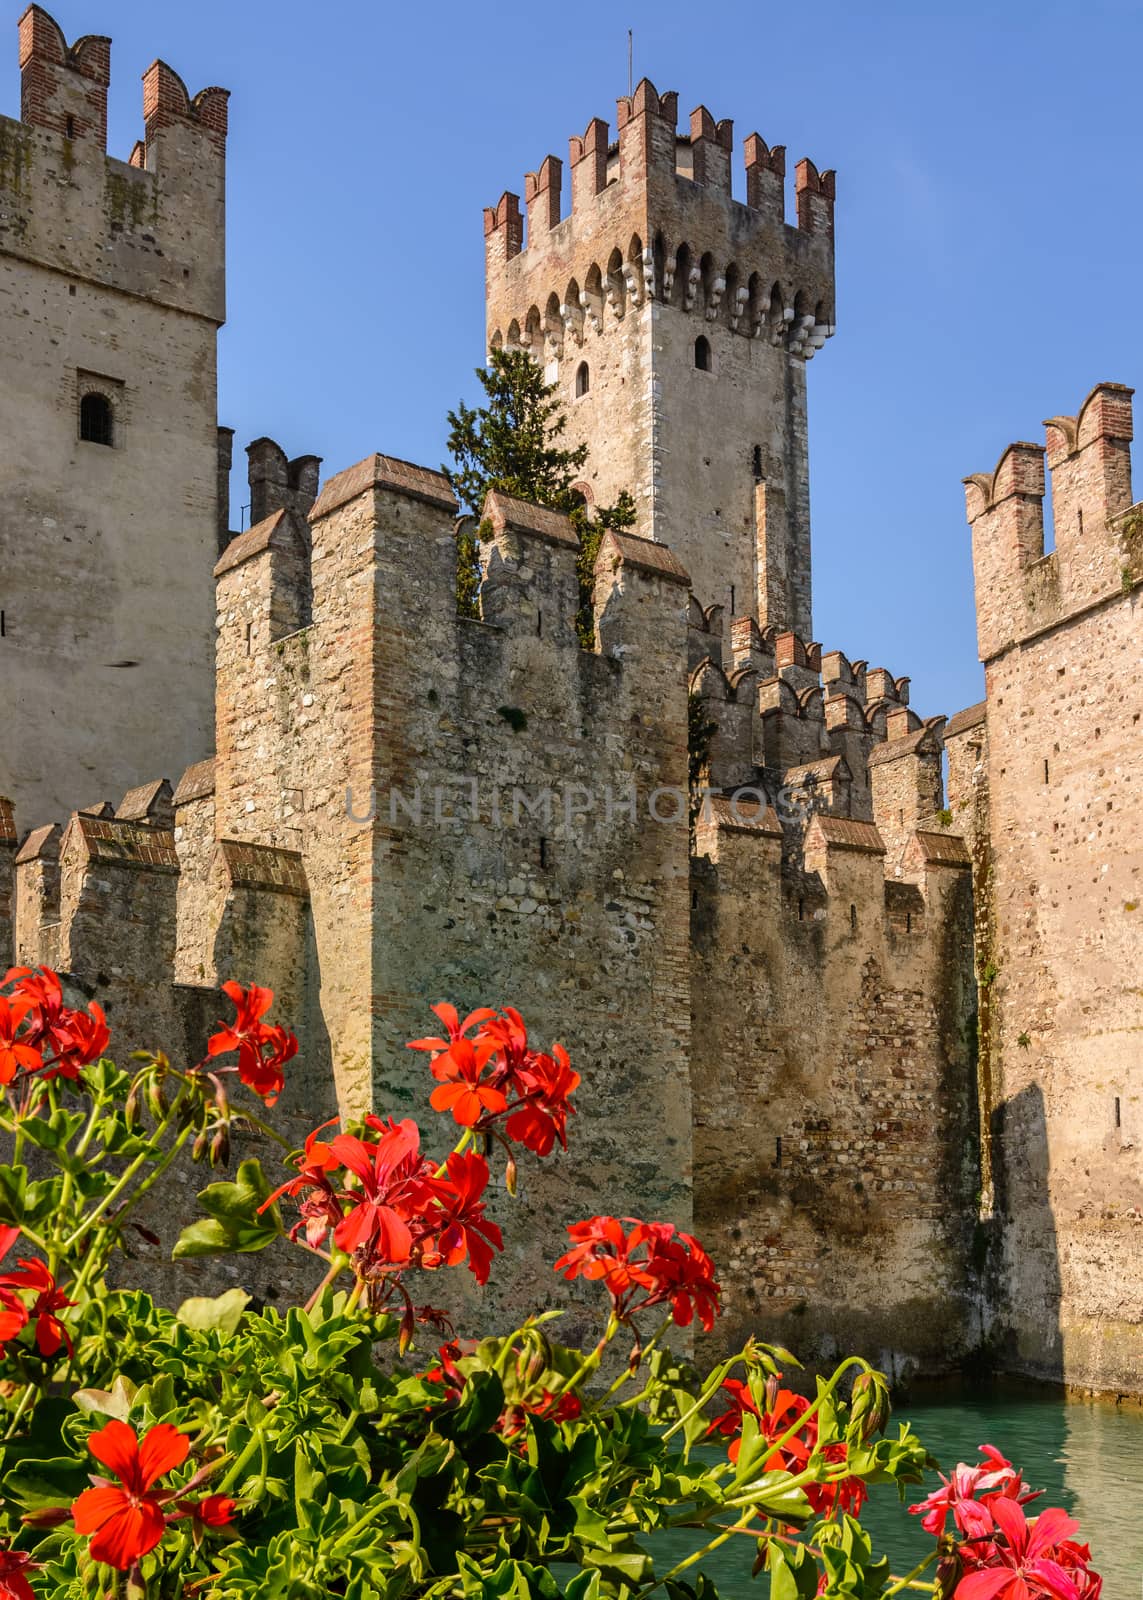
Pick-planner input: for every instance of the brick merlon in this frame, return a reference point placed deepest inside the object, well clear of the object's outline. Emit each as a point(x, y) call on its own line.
point(385, 472)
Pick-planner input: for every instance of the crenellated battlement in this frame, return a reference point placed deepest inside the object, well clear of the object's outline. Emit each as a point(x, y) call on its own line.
point(652, 220)
point(830, 976)
point(838, 735)
point(150, 225)
point(1022, 588)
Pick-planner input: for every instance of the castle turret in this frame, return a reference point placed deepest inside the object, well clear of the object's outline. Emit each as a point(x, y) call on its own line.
point(676, 322)
point(112, 279)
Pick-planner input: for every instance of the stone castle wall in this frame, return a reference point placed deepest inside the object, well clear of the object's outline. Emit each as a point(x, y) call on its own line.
point(1060, 769)
point(407, 806)
point(111, 283)
point(773, 1014)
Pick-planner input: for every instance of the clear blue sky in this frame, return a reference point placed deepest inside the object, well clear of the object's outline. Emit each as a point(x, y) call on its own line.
point(989, 235)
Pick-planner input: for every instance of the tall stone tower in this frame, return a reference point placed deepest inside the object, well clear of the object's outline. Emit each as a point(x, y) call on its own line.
point(1059, 854)
point(677, 322)
point(111, 495)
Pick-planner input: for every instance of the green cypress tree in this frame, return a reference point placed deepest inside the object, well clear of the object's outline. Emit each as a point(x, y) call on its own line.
point(513, 443)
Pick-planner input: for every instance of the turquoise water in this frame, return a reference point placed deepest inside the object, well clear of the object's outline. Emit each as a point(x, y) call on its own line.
point(1088, 1456)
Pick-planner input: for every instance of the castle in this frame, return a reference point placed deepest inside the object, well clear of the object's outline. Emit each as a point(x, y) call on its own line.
point(775, 1011)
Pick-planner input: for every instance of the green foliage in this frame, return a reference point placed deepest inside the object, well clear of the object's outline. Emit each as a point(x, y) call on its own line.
point(467, 568)
point(700, 734)
point(342, 1455)
point(590, 531)
point(513, 443)
point(356, 1474)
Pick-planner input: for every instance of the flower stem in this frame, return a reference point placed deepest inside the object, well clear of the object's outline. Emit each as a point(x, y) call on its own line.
point(592, 1360)
point(907, 1581)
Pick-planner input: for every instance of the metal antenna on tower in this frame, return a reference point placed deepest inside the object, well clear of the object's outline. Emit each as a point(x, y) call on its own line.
point(630, 62)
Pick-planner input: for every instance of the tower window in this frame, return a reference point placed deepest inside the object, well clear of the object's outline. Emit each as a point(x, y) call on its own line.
point(96, 419)
point(703, 360)
point(757, 463)
point(582, 379)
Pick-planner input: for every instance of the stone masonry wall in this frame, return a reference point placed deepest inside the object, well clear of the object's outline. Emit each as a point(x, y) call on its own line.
point(1059, 636)
point(111, 283)
point(835, 1150)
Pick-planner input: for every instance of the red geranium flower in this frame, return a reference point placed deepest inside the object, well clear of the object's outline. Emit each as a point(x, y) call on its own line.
point(320, 1210)
point(548, 1083)
point(50, 1331)
point(81, 1039)
point(13, 1584)
point(396, 1189)
point(673, 1268)
point(467, 1231)
point(126, 1520)
point(263, 1049)
point(42, 988)
point(456, 1028)
point(1028, 1565)
point(15, 1053)
point(967, 1494)
point(461, 1090)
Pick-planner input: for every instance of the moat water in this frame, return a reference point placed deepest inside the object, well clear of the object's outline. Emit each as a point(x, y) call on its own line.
point(1088, 1456)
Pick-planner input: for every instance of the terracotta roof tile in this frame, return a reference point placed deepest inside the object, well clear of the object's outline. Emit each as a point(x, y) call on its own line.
point(942, 849)
point(843, 833)
point(43, 841)
point(745, 816)
point(384, 472)
point(196, 782)
point(505, 511)
point(970, 717)
point(646, 555)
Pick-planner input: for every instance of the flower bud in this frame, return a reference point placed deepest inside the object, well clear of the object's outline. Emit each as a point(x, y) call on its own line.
point(156, 1100)
point(220, 1148)
point(131, 1114)
point(510, 1176)
point(405, 1338)
point(773, 1384)
point(869, 1403)
point(198, 1149)
point(47, 1517)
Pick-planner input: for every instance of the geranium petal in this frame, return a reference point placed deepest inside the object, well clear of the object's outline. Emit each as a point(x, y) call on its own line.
point(1048, 1529)
point(987, 1584)
point(117, 1448)
point(128, 1535)
point(95, 1506)
point(1055, 1580)
point(1012, 1523)
point(163, 1449)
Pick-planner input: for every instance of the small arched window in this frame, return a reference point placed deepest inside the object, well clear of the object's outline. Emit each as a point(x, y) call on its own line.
point(582, 379)
point(703, 359)
point(96, 419)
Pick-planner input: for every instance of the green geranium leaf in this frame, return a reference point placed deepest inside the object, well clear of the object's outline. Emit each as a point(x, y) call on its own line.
point(233, 1223)
point(631, 1566)
point(584, 1586)
point(113, 1402)
point(37, 1484)
point(223, 1313)
point(13, 1188)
